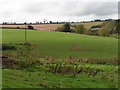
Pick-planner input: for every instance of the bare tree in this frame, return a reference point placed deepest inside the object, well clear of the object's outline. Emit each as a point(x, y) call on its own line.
point(44, 20)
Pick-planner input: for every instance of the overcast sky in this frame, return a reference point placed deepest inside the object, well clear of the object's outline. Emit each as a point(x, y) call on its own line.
point(57, 10)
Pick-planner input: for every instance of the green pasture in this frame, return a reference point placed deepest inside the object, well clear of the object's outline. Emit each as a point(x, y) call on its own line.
point(59, 44)
point(88, 25)
point(34, 72)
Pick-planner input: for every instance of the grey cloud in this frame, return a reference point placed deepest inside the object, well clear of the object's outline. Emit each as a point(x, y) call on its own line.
point(99, 9)
point(71, 8)
point(40, 7)
point(55, 10)
point(106, 8)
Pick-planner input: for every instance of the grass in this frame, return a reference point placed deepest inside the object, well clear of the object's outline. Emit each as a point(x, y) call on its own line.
point(59, 44)
point(49, 80)
point(37, 78)
point(54, 59)
point(88, 25)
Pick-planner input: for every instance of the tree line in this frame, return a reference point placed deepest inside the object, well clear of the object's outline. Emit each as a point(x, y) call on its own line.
point(106, 29)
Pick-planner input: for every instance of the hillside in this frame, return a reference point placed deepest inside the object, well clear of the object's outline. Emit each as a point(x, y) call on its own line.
point(58, 44)
point(58, 60)
point(51, 26)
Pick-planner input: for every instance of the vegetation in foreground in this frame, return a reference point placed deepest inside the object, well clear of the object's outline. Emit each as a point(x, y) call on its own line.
point(34, 72)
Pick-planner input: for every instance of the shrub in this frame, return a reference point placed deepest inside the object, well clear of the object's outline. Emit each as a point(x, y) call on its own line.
point(66, 28)
point(94, 32)
point(117, 26)
point(8, 47)
point(80, 29)
point(30, 27)
point(104, 32)
point(87, 31)
point(59, 29)
point(96, 26)
point(107, 28)
point(18, 27)
point(73, 26)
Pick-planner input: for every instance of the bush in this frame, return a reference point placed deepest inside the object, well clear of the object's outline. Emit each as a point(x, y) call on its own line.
point(87, 31)
point(117, 26)
point(73, 26)
point(66, 28)
point(116, 36)
point(18, 27)
point(59, 29)
point(94, 32)
point(107, 28)
point(8, 47)
point(96, 26)
point(30, 27)
point(104, 32)
point(80, 29)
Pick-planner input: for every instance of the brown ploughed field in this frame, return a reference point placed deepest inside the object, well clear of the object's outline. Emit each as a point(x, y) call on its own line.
point(36, 26)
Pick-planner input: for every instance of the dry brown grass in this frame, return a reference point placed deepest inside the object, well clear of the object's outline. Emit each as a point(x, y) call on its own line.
point(72, 69)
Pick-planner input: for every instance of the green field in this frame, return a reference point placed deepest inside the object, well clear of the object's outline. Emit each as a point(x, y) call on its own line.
point(58, 60)
point(58, 44)
point(88, 25)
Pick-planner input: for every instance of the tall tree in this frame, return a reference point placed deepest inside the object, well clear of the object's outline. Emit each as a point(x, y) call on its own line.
point(66, 27)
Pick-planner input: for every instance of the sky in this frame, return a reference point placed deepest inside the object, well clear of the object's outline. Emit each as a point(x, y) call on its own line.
point(57, 10)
